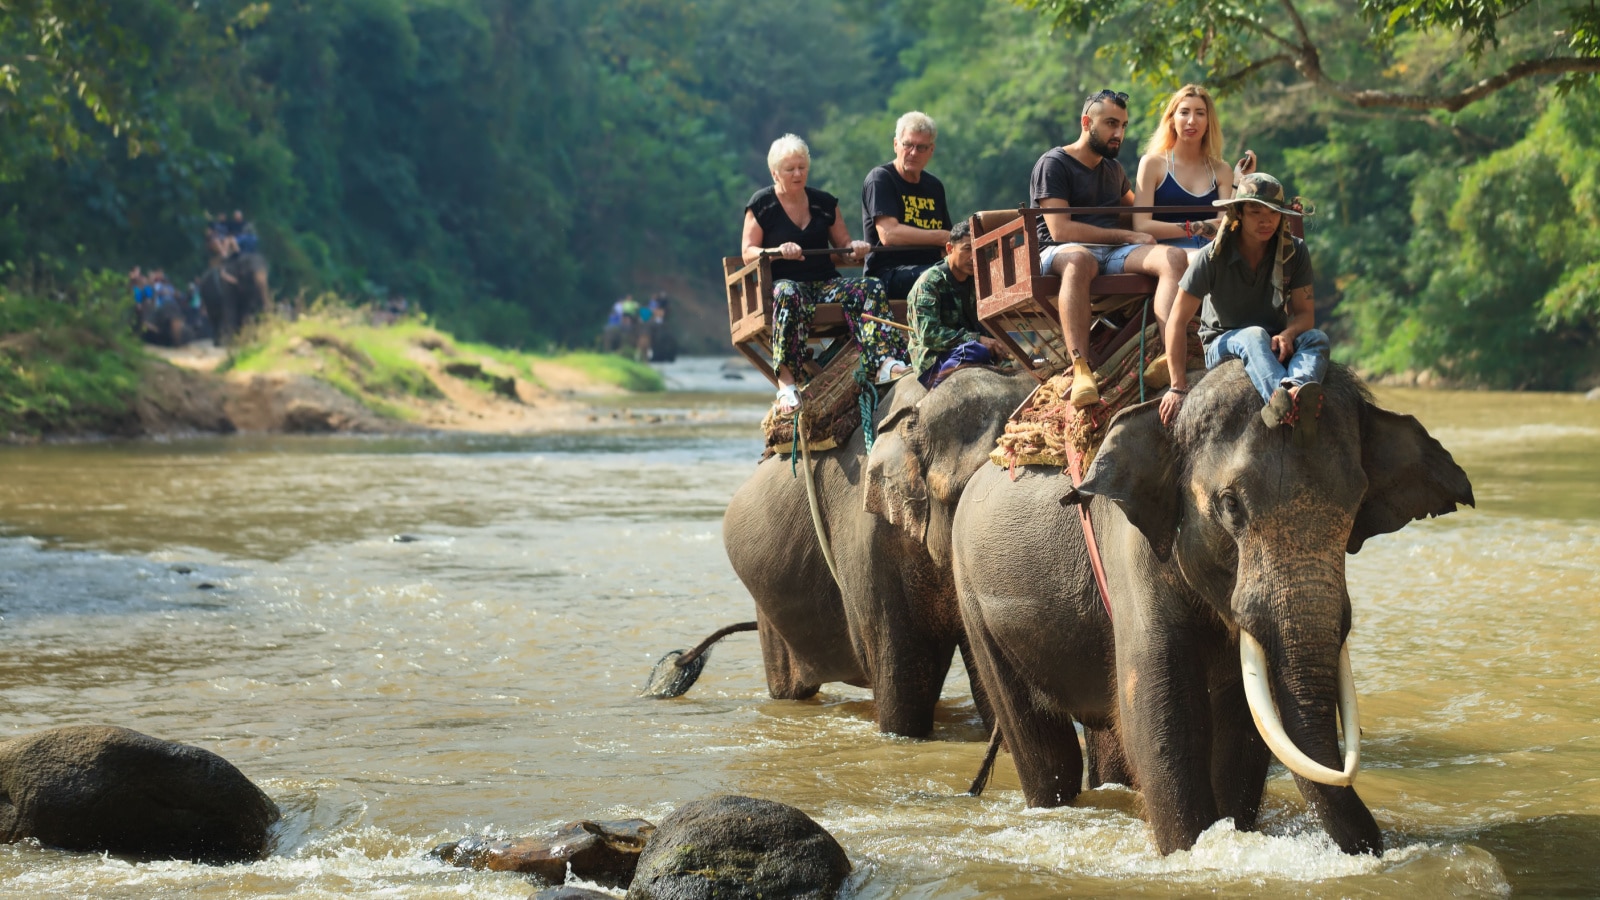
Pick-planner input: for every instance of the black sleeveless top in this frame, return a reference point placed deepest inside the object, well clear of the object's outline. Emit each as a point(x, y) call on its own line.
point(777, 228)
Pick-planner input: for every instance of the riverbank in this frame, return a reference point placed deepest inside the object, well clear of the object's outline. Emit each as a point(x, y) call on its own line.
point(69, 370)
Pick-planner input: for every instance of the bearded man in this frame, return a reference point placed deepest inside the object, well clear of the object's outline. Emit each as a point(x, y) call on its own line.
point(1078, 247)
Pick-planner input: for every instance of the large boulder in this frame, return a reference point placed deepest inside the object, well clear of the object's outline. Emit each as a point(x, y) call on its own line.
point(602, 852)
point(739, 848)
point(107, 789)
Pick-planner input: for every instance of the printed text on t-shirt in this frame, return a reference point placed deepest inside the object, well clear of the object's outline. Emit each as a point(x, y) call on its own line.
point(915, 207)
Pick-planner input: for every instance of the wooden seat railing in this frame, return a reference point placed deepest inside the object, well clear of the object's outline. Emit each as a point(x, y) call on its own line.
point(1018, 304)
point(751, 320)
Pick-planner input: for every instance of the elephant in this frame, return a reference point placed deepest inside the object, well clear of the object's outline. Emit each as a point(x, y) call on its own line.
point(234, 291)
point(888, 621)
point(1223, 544)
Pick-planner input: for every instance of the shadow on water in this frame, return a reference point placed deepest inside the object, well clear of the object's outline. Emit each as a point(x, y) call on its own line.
point(1551, 856)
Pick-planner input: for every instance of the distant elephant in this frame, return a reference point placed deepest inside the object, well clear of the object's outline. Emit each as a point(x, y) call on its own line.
point(1224, 545)
point(234, 291)
point(890, 621)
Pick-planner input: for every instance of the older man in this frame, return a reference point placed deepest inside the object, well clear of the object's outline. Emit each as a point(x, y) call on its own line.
point(1085, 173)
point(903, 206)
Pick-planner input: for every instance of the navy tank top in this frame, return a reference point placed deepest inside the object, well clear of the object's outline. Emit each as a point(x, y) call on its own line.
point(1170, 193)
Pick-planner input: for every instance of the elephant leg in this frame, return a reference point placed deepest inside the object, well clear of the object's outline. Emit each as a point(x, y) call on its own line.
point(906, 682)
point(1346, 819)
point(783, 679)
point(1106, 761)
point(1043, 743)
point(1238, 758)
point(1165, 722)
point(980, 697)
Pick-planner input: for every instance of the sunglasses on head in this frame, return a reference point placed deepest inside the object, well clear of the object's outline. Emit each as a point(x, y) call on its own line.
point(1108, 94)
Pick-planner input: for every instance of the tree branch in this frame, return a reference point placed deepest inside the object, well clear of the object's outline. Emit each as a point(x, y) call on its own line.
point(1226, 81)
point(1455, 102)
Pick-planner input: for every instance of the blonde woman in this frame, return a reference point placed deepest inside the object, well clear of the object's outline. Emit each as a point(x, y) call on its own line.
point(790, 217)
point(1183, 166)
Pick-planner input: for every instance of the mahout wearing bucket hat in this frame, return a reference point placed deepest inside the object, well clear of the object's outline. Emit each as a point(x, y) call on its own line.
point(1252, 289)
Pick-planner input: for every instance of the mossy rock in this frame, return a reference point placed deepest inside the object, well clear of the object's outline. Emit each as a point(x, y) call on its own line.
point(739, 848)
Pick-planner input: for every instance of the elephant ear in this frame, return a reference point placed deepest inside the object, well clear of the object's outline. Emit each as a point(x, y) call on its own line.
point(1136, 469)
point(895, 488)
point(1409, 476)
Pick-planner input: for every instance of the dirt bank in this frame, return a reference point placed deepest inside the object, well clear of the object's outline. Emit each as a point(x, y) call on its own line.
point(183, 392)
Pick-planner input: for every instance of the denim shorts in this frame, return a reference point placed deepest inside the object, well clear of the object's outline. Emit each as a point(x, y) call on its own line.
point(1111, 257)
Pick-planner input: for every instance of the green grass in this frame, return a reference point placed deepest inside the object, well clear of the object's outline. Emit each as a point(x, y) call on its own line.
point(69, 362)
point(383, 366)
point(608, 368)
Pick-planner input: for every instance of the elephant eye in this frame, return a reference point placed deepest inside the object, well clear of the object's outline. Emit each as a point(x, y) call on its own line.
point(1230, 505)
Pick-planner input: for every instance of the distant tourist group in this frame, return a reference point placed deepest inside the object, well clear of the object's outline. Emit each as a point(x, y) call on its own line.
point(640, 330)
point(1239, 269)
point(169, 316)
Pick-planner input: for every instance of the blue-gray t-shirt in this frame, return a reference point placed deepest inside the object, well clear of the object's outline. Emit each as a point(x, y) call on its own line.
point(1234, 295)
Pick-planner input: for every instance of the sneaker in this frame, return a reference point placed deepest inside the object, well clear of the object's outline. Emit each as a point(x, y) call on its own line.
point(1307, 410)
point(890, 369)
point(1279, 409)
point(1085, 389)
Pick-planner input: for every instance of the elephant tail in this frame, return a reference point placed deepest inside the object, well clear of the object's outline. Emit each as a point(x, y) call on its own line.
point(679, 670)
point(982, 781)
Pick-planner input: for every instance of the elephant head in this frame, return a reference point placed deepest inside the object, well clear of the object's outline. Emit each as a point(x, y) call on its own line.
point(1257, 526)
point(925, 453)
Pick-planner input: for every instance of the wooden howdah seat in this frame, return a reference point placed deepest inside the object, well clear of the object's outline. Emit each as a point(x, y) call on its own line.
point(750, 316)
point(1019, 306)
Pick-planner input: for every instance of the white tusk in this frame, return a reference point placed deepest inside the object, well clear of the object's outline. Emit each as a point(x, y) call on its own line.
point(1257, 692)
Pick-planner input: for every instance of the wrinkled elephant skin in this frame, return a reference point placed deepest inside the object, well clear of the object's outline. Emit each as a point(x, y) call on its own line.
point(1214, 527)
point(890, 621)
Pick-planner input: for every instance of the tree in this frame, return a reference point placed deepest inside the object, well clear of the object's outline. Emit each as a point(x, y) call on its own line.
point(1233, 41)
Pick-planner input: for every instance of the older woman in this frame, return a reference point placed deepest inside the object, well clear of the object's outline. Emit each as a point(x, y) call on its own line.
point(791, 217)
point(1182, 166)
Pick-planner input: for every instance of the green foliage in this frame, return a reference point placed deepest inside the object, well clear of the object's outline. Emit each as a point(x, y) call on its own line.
point(1500, 274)
point(68, 359)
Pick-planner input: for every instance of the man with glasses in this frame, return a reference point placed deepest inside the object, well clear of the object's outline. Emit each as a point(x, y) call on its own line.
point(1086, 173)
point(902, 205)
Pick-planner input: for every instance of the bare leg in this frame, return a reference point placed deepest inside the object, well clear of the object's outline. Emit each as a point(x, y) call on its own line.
point(1076, 268)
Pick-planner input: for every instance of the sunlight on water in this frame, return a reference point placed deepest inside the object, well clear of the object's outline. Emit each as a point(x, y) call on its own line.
point(480, 675)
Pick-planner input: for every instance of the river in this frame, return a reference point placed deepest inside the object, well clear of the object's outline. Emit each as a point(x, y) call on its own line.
point(481, 676)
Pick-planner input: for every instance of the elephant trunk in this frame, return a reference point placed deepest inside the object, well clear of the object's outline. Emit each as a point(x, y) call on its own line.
point(1301, 691)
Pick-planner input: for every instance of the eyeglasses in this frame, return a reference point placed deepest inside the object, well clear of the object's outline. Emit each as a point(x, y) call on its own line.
point(1108, 94)
point(917, 148)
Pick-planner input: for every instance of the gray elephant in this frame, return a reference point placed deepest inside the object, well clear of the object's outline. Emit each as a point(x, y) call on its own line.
point(234, 292)
point(889, 622)
point(1224, 545)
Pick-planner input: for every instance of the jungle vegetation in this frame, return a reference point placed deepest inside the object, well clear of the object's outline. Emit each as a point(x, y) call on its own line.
point(515, 166)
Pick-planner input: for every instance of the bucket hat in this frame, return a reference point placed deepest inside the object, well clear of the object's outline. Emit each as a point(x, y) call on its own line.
point(1259, 187)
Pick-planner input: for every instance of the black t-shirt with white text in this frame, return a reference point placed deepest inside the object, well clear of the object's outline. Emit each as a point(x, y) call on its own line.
point(920, 205)
point(1058, 175)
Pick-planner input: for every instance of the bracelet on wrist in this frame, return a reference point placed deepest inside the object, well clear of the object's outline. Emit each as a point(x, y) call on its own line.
point(1179, 391)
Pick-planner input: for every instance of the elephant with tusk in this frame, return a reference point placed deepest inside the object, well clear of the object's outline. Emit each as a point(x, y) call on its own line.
point(1224, 546)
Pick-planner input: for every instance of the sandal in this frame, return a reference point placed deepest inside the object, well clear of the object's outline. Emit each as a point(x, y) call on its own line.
point(788, 400)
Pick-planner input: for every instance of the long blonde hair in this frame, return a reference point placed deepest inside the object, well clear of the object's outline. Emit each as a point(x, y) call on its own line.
point(1165, 137)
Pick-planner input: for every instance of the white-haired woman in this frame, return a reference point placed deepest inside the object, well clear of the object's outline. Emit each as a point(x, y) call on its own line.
point(790, 217)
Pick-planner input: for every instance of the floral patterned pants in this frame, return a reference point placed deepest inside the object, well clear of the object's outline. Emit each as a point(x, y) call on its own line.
point(795, 302)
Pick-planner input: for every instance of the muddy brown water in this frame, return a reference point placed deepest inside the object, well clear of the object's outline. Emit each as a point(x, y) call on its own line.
point(245, 595)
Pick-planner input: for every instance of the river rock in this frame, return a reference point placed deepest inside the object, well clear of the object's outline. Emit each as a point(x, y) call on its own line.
point(569, 893)
point(602, 852)
point(739, 848)
point(108, 789)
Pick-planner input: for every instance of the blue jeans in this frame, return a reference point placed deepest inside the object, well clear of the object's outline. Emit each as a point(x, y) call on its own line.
point(1254, 346)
